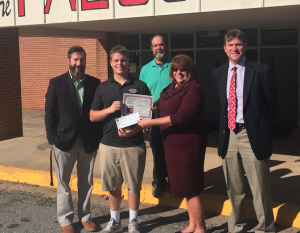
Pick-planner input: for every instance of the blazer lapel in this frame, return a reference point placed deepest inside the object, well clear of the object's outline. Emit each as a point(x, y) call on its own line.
point(248, 79)
point(223, 87)
point(70, 88)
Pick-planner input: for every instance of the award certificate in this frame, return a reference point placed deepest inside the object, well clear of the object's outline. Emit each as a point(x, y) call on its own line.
point(137, 103)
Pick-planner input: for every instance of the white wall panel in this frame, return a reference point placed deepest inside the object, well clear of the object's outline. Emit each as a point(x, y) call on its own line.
point(61, 11)
point(163, 7)
point(281, 2)
point(33, 12)
point(220, 5)
point(95, 9)
point(133, 8)
point(8, 19)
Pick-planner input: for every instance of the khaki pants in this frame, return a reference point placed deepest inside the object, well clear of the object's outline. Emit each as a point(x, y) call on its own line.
point(240, 158)
point(65, 162)
point(122, 164)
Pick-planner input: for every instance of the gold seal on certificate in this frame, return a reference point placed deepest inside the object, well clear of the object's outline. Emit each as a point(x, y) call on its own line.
point(137, 103)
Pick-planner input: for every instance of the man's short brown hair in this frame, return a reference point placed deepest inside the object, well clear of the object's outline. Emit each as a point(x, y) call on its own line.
point(184, 62)
point(156, 35)
point(235, 33)
point(119, 49)
point(76, 49)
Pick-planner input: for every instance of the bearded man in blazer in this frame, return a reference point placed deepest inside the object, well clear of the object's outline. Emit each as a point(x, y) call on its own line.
point(73, 136)
point(247, 96)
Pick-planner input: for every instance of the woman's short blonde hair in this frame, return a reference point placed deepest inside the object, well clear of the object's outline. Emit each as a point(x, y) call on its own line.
point(184, 62)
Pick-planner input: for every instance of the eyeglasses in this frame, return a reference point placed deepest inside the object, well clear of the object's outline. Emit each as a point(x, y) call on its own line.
point(181, 70)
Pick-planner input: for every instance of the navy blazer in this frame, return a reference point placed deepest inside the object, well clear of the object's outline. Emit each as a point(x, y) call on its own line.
point(260, 103)
point(63, 119)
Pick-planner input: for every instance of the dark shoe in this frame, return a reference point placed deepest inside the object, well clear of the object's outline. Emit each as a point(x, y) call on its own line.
point(89, 226)
point(67, 229)
point(157, 191)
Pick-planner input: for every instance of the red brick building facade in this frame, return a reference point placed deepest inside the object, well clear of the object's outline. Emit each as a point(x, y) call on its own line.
point(27, 64)
point(42, 58)
point(10, 85)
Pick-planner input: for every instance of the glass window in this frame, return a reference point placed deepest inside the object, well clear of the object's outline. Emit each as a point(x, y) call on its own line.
point(146, 57)
point(146, 39)
point(279, 36)
point(130, 41)
point(182, 40)
point(251, 35)
point(134, 64)
point(209, 39)
point(188, 53)
point(286, 75)
point(207, 60)
point(251, 54)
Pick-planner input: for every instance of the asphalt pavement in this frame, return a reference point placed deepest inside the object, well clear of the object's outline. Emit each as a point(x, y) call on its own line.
point(30, 208)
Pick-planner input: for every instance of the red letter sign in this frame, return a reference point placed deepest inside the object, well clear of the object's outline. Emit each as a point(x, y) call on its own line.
point(21, 8)
point(132, 2)
point(73, 5)
point(48, 5)
point(92, 5)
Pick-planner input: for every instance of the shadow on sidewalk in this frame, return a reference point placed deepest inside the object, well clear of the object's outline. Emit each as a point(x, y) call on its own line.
point(285, 139)
point(288, 187)
point(215, 181)
point(284, 187)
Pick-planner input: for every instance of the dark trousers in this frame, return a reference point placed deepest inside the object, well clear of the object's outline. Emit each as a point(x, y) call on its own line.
point(159, 168)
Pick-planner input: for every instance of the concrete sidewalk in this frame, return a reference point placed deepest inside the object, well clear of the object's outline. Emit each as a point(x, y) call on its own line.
point(26, 159)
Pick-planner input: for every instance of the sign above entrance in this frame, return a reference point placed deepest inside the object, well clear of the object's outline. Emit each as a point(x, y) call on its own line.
point(95, 10)
point(36, 12)
point(7, 14)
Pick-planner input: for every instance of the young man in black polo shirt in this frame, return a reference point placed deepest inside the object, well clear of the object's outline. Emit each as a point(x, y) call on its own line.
point(122, 152)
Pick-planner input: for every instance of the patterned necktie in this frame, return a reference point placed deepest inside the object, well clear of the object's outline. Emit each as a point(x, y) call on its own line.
point(232, 101)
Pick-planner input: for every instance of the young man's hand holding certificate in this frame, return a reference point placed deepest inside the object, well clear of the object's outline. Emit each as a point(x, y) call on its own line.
point(135, 107)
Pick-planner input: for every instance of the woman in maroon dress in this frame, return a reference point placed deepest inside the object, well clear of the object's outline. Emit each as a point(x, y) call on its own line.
point(181, 112)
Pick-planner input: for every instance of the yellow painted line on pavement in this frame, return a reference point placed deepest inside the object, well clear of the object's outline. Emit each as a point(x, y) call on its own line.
point(285, 214)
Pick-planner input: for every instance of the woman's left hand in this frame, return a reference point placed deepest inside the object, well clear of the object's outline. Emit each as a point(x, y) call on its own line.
point(144, 123)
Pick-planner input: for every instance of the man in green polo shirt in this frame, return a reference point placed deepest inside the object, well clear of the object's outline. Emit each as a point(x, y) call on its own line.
point(156, 75)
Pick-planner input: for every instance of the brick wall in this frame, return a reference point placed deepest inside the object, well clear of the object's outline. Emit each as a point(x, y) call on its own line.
point(10, 86)
point(42, 58)
point(106, 45)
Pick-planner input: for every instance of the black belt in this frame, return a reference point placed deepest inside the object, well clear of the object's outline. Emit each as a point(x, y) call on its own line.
point(239, 127)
